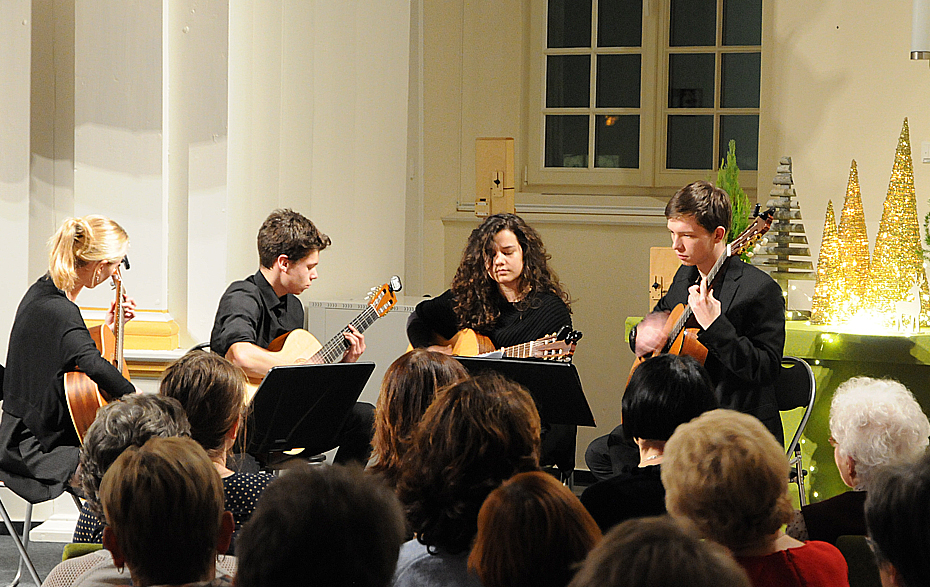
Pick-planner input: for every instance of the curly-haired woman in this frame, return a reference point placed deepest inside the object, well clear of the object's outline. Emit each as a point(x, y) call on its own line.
point(504, 289)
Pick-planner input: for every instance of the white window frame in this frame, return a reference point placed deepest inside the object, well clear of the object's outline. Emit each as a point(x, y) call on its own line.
point(651, 177)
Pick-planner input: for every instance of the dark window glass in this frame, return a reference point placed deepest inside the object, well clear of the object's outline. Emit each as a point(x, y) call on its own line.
point(691, 81)
point(566, 141)
point(568, 81)
point(618, 81)
point(620, 23)
point(740, 86)
point(616, 141)
point(742, 22)
point(744, 129)
point(693, 23)
point(690, 142)
point(569, 23)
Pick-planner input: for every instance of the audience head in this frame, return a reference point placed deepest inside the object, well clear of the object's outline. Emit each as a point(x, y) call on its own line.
point(212, 391)
point(406, 391)
point(474, 435)
point(875, 422)
point(726, 474)
point(288, 233)
point(708, 205)
point(83, 241)
point(348, 522)
point(164, 507)
point(532, 532)
point(897, 514)
point(665, 391)
point(658, 552)
point(128, 422)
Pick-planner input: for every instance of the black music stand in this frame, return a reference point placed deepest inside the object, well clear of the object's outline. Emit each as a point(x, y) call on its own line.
point(555, 386)
point(303, 406)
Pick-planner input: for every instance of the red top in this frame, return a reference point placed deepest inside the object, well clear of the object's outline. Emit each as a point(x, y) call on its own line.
point(816, 564)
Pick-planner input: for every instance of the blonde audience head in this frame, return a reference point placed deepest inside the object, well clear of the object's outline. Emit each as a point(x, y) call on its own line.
point(726, 474)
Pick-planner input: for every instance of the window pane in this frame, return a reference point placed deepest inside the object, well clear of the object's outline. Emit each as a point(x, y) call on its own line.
point(744, 129)
point(691, 81)
point(618, 81)
point(690, 142)
point(616, 142)
point(693, 23)
point(740, 86)
point(566, 141)
point(569, 23)
point(620, 23)
point(567, 81)
point(742, 22)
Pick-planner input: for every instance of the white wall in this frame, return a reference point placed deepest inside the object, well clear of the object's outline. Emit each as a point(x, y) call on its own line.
point(318, 123)
point(15, 54)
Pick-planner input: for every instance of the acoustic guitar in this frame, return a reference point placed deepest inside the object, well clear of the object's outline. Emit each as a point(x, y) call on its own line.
point(682, 339)
point(558, 346)
point(83, 395)
point(299, 346)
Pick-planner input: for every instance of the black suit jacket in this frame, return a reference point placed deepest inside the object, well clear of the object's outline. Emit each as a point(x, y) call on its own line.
point(745, 343)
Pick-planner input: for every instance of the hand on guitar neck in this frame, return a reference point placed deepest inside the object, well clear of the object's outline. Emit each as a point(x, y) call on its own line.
point(704, 306)
point(129, 311)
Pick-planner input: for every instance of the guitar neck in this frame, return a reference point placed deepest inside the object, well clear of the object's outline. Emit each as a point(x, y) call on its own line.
point(520, 351)
point(333, 350)
point(118, 328)
point(687, 313)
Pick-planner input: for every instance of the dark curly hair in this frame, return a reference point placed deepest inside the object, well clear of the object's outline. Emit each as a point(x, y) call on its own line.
point(477, 295)
point(475, 434)
point(407, 389)
point(288, 233)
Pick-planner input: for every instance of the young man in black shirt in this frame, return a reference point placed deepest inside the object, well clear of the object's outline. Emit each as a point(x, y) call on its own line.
point(255, 311)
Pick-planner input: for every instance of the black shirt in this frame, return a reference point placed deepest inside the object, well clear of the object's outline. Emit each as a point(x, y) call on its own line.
point(49, 339)
point(636, 494)
point(250, 311)
point(542, 315)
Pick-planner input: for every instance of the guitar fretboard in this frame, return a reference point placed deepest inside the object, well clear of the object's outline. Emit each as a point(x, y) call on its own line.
point(333, 350)
point(520, 351)
point(686, 314)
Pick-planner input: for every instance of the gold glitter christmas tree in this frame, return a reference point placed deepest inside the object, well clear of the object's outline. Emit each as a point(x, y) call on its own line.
point(853, 279)
point(828, 271)
point(898, 261)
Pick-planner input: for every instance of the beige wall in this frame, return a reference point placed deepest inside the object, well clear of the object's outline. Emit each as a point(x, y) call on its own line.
point(837, 84)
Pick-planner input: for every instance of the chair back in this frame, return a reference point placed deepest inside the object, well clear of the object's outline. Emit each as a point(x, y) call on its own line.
point(796, 388)
point(863, 570)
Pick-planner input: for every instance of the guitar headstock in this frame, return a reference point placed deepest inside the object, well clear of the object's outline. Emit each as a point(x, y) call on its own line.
point(749, 237)
point(559, 346)
point(383, 298)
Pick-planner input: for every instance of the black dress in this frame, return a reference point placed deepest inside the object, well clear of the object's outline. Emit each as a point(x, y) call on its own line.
point(39, 448)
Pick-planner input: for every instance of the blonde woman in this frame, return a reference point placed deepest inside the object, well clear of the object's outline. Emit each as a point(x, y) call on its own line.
point(38, 444)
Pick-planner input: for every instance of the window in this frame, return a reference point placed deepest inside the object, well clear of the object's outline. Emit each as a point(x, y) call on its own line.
point(643, 93)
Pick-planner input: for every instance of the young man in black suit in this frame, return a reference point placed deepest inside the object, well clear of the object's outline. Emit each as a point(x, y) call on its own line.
point(741, 318)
